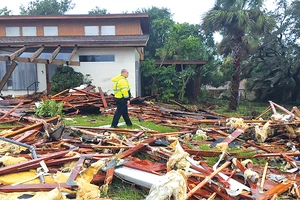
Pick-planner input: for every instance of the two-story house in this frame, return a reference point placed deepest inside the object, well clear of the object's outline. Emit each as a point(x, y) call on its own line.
point(99, 46)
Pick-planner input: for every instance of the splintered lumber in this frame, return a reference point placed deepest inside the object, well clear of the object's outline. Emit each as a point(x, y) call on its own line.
point(33, 187)
point(180, 105)
point(276, 154)
point(297, 111)
point(28, 134)
point(12, 110)
point(88, 93)
point(277, 190)
point(253, 185)
point(263, 179)
point(10, 169)
point(13, 133)
point(233, 135)
point(76, 170)
point(284, 110)
point(207, 179)
point(102, 97)
point(62, 92)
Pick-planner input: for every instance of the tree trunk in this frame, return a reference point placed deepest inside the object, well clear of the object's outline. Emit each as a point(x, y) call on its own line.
point(296, 91)
point(235, 78)
point(197, 84)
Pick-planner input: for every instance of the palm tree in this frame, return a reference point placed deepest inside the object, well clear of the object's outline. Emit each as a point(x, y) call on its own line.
point(241, 23)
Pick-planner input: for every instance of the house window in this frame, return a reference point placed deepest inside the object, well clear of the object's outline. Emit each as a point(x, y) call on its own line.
point(97, 58)
point(24, 77)
point(29, 31)
point(12, 31)
point(91, 30)
point(50, 31)
point(108, 30)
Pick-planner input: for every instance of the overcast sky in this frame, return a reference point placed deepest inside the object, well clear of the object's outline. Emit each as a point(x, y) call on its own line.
point(190, 11)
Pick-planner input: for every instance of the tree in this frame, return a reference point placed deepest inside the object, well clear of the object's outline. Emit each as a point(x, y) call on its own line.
point(47, 7)
point(5, 11)
point(98, 11)
point(241, 23)
point(160, 21)
point(182, 42)
point(273, 71)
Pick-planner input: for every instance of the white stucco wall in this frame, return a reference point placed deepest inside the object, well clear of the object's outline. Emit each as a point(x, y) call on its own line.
point(102, 72)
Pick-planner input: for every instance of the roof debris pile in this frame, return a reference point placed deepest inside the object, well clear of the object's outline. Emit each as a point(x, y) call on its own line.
point(231, 158)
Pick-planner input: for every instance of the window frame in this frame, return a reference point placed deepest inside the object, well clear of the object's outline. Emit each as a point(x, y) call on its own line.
point(50, 30)
point(13, 28)
point(91, 30)
point(29, 31)
point(107, 30)
point(97, 58)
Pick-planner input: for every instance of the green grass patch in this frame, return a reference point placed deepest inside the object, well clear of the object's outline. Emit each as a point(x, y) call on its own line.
point(8, 125)
point(120, 190)
point(205, 147)
point(211, 160)
point(101, 120)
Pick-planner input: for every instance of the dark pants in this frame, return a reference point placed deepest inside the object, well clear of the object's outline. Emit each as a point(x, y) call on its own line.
point(122, 110)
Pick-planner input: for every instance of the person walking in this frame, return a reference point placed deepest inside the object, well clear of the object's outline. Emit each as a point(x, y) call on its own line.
point(122, 98)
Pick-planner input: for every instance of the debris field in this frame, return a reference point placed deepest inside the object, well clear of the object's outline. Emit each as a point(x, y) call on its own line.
point(210, 156)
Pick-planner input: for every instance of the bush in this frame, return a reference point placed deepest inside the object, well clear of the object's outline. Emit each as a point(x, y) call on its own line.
point(49, 108)
point(65, 78)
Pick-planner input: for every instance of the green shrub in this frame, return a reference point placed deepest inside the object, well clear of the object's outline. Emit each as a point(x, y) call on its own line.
point(65, 78)
point(49, 108)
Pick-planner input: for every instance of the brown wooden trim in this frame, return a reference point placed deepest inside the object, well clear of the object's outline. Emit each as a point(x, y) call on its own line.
point(38, 60)
point(55, 52)
point(74, 17)
point(75, 63)
point(4, 58)
point(37, 53)
point(73, 54)
point(19, 59)
point(17, 53)
point(59, 62)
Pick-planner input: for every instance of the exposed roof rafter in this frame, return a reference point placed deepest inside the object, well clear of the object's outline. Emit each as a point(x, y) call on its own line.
point(44, 54)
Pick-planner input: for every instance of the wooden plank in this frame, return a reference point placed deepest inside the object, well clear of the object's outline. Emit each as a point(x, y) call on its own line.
point(207, 179)
point(76, 170)
point(233, 135)
point(102, 97)
point(278, 189)
point(22, 130)
point(253, 185)
point(12, 168)
point(36, 53)
point(73, 54)
point(62, 92)
point(17, 53)
point(12, 110)
point(88, 93)
point(34, 187)
point(55, 52)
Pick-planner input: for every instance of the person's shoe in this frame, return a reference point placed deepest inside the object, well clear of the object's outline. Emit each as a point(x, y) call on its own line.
point(114, 127)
